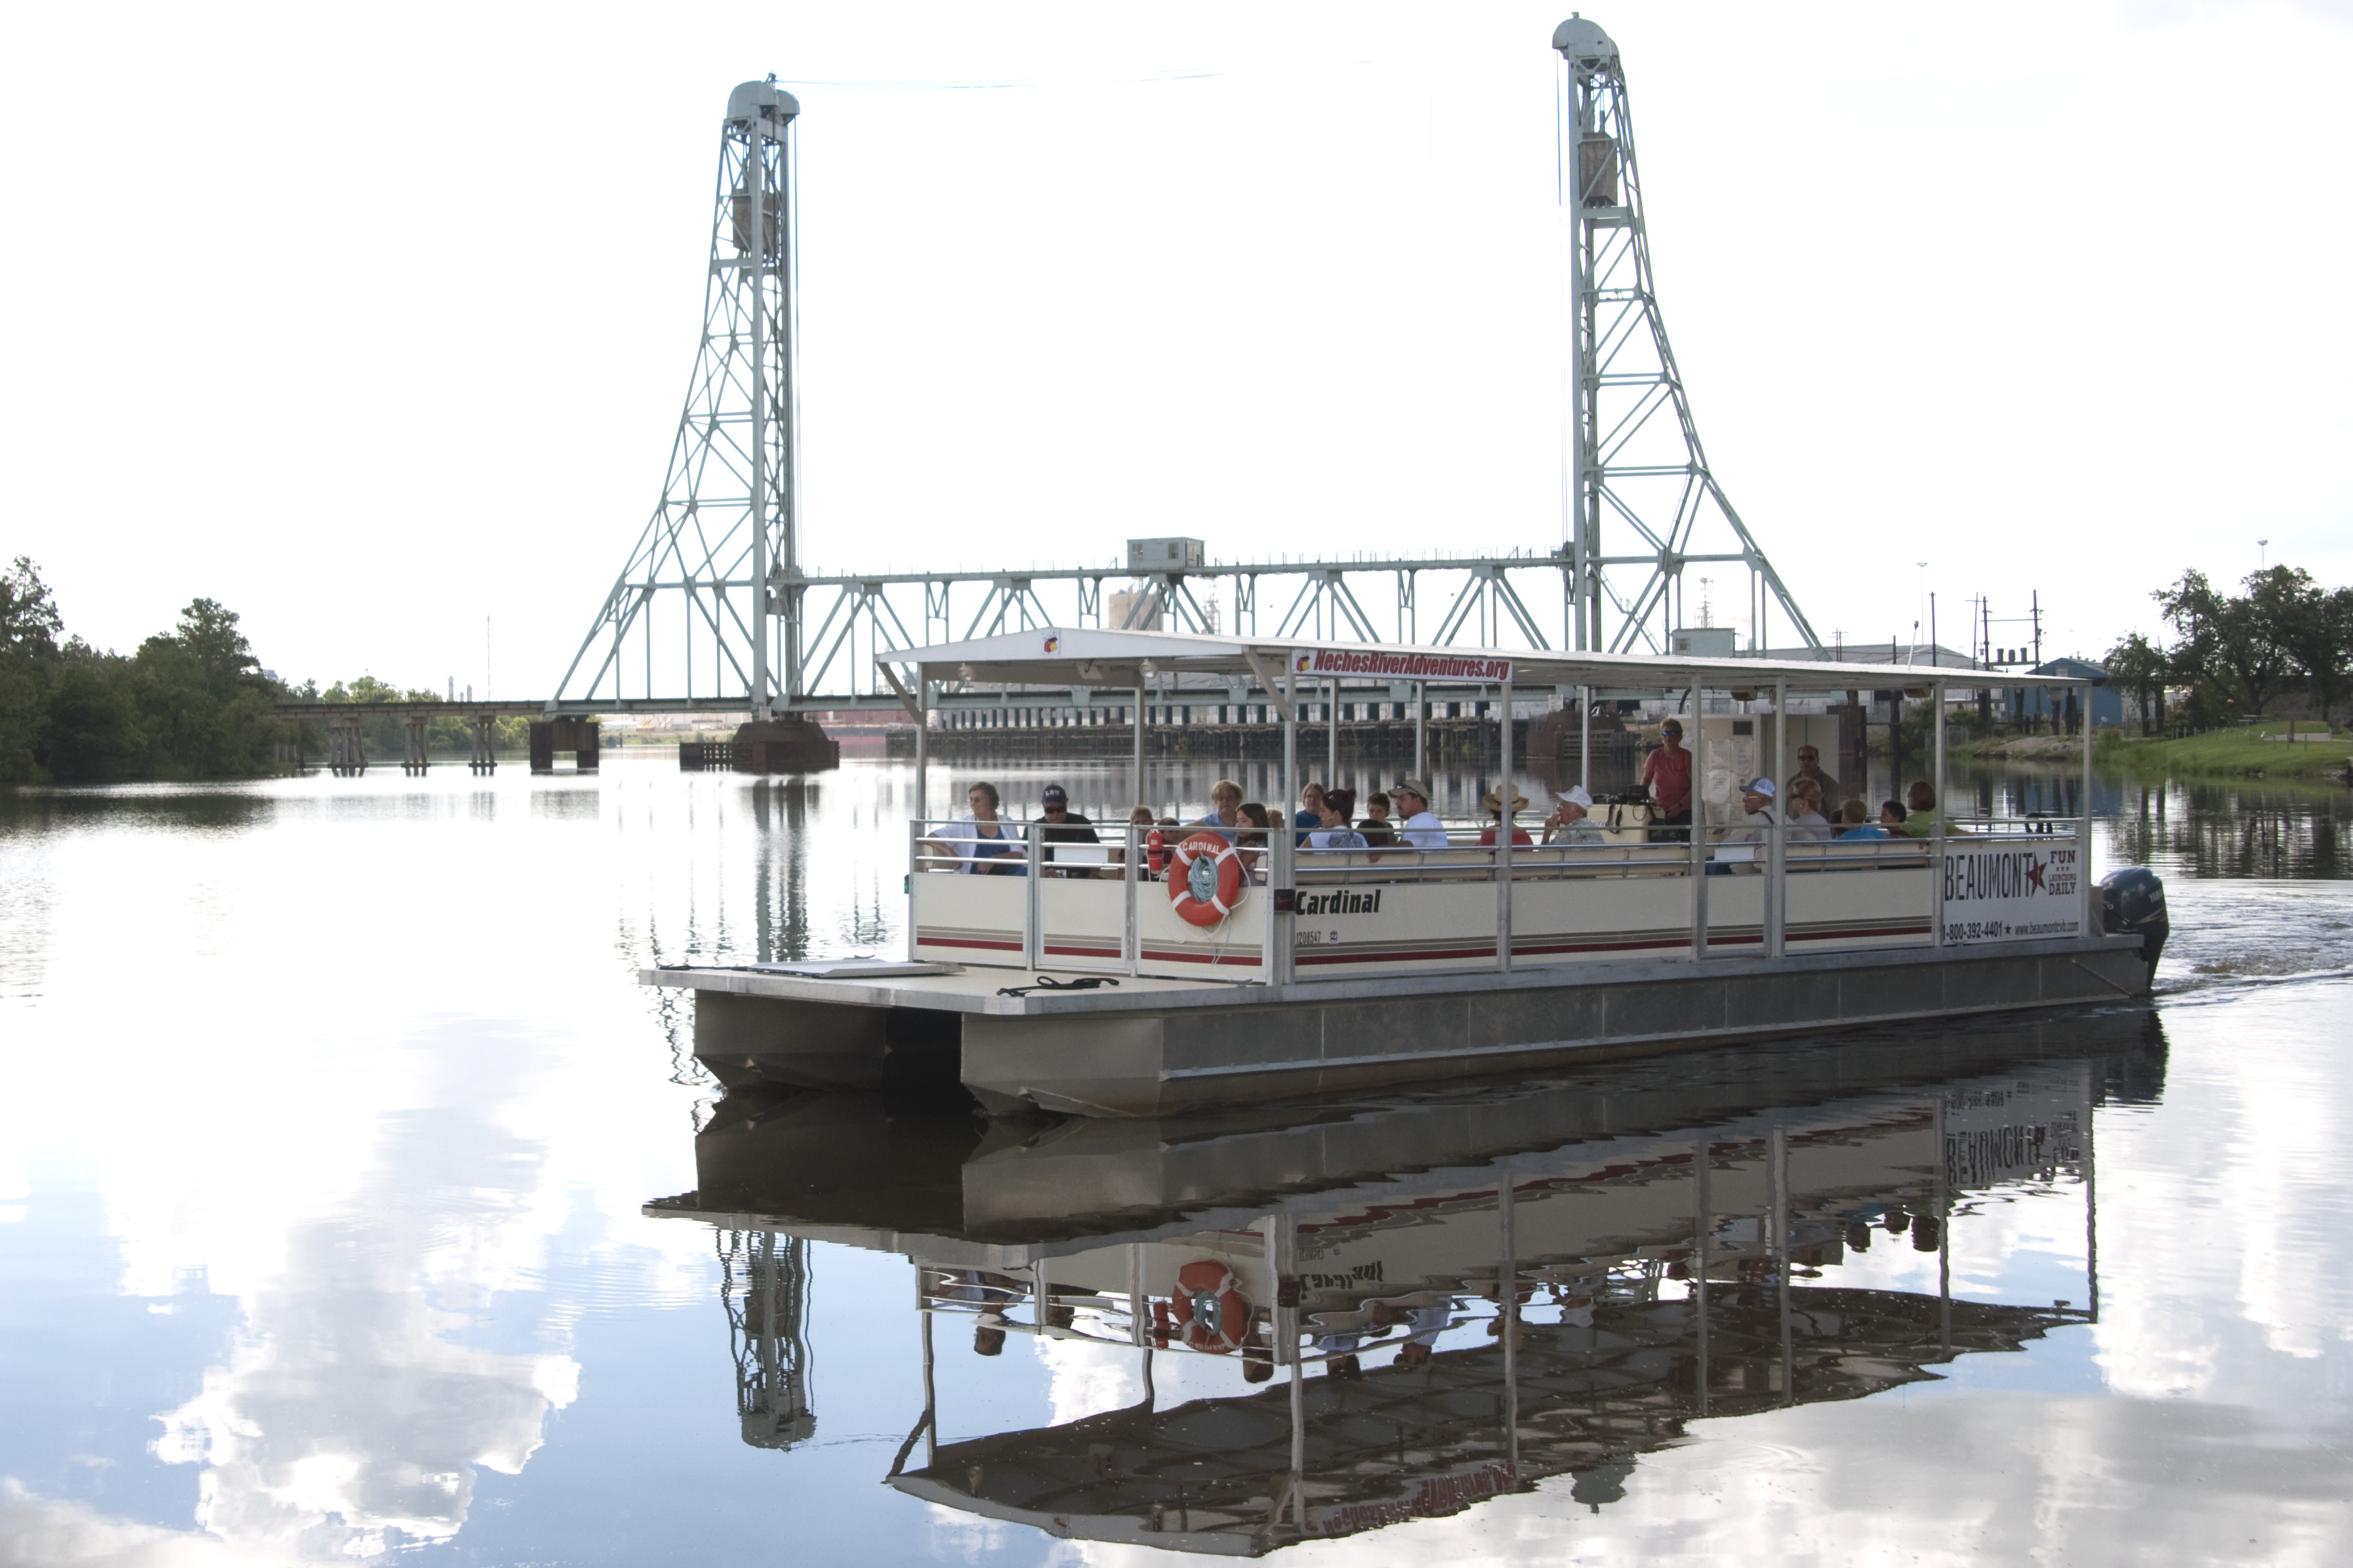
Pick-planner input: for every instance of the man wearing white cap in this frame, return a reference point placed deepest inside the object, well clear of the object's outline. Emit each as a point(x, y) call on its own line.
point(1569, 824)
point(1420, 830)
point(1757, 806)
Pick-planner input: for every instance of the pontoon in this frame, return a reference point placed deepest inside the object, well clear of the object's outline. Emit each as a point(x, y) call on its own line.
point(1239, 971)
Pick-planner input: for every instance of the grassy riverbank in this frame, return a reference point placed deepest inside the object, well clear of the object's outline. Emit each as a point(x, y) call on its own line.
point(2244, 753)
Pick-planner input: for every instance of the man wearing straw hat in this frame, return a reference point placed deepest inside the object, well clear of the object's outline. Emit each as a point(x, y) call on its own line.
point(1493, 801)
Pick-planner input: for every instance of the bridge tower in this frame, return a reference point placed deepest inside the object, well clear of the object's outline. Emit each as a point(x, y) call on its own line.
point(705, 614)
point(1636, 466)
point(766, 1284)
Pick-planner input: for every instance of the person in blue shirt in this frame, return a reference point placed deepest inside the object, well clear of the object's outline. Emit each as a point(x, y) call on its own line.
point(1309, 815)
point(1857, 818)
point(1225, 808)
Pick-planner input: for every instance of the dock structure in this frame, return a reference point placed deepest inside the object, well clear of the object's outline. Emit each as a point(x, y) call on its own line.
point(1134, 969)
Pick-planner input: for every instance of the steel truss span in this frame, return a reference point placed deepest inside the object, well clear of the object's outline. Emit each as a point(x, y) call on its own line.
point(714, 609)
point(1638, 475)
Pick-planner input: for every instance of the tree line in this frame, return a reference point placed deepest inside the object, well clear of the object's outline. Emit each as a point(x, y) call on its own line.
point(2232, 655)
point(190, 703)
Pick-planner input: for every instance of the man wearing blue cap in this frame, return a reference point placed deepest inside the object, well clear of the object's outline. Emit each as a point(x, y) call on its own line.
point(1060, 825)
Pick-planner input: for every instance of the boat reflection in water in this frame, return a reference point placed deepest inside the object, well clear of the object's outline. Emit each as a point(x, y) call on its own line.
point(1426, 1300)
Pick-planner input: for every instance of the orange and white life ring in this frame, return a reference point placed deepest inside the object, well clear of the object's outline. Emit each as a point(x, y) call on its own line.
point(1204, 879)
point(1209, 1308)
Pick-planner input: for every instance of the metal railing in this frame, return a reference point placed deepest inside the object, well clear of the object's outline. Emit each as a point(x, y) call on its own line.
point(1105, 906)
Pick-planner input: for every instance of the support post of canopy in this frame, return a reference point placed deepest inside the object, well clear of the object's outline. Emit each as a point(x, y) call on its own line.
point(1033, 906)
point(931, 1390)
point(922, 746)
point(1704, 1225)
point(1944, 1231)
point(1779, 1181)
point(1331, 736)
point(1698, 813)
point(1777, 882)
point(1507, 1294)
point(1584, 737)
point(2091, 1199)
point(1139, 1311)
point(2084, 826)
point(1421, 731)
point(1139, 751)
point(1282, 840)
point(1504, 842)
point(1131, 876)
point(1944, 809)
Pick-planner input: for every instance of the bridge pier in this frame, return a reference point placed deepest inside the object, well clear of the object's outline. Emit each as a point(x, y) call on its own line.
point(485, 760)
point(347, 754)
point(578, 736)
point(416, 763)
point(787, 744)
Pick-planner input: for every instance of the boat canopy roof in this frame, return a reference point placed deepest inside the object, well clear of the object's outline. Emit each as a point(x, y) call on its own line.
point(1080, 656)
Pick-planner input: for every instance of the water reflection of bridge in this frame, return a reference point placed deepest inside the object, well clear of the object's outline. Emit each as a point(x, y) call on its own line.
point(1465, 1294)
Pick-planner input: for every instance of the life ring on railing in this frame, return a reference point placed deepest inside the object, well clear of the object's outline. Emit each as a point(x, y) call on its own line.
point(1210, 1310)
point(1204, 879)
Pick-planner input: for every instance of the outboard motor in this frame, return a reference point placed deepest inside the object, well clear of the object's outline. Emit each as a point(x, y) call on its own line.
point(2132, 903)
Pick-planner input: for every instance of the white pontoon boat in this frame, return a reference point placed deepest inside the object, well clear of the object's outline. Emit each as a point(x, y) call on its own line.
point(1172, 969)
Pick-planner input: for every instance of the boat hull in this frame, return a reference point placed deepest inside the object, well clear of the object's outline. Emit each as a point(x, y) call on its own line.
point(1176, 1047)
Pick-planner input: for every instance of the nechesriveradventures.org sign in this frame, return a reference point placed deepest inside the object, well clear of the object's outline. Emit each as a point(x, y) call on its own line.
point(2011, 893)
point(1399, 666)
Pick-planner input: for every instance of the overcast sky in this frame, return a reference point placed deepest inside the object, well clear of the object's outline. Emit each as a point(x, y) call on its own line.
point(374, 323)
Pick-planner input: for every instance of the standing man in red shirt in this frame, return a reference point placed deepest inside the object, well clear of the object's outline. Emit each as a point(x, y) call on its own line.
point(1668, 773)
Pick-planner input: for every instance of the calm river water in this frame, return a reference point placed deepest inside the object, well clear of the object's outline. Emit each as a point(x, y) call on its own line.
point(331, 1110)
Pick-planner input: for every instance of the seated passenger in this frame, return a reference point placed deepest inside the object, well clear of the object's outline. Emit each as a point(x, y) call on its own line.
point(1922, 820)
point(1058, 823)
point(1140, 817)
point(1857, 817)
point(1755, 829)
point(1309, 815)
point(1570, 822)
point(1890, 817)
point(1376, 807)
point(1806, 824)
point(1251, 841)
point(1421, 828)
point(1335, 806)
point(1493, 800)
point(978, 840)
point(1225, 807)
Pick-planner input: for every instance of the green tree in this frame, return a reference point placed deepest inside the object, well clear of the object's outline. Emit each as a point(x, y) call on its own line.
point(90, 733)
point(2314, 628)
point(30, 624)
point(2230, 651)
point(2138, 665)
point(204, 701)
